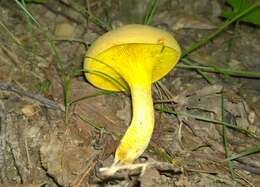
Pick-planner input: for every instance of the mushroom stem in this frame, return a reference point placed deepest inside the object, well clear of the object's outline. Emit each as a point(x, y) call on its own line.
point(138, 135)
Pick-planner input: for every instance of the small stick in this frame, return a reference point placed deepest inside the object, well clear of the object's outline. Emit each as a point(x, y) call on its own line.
point(48, 7)
point(124, 171)
point(44, 101)
point(2, 141)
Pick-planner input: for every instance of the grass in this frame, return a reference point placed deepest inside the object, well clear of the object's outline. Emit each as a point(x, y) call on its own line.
point(95, 125)
point(225, 138)
point(102, 92)
point(245, 152)
point(150, 11)
point(220, 70)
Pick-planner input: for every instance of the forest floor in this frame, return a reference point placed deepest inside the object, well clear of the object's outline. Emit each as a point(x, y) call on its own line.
point(56, 129)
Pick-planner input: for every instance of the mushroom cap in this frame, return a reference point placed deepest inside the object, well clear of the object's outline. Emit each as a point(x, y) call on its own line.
point(130, 53)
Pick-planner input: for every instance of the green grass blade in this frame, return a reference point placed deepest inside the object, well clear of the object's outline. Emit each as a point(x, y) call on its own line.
point(99, 127)
point(93, 124)
point(90, 96)
point(225, 138)
point(244, 153)
point(225, 71)
point(110, 78)
point(149, 13)
point(202, 73)
point(115, 81)
point(28, 13)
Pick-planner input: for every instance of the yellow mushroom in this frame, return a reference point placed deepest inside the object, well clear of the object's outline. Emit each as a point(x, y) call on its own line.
point(132, 57)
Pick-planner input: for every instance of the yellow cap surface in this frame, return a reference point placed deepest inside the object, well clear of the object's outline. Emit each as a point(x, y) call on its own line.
point(129, 54)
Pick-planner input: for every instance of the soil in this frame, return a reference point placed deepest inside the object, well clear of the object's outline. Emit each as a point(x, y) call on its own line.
point(44, 143)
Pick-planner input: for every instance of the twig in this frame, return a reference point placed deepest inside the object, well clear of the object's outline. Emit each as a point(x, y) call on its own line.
point(42, 100)
point(165, 101)
point(86, 45)
point(92, 162)
point(2, 140)
point(18, 166)
point(28, 154)
point(55, 11)
point(169, 95)
point(201, 171)
point(244, 178)
point(10, 33)
point(126, 171)
point(248, 168)
point(10, 55)
point(248, 164)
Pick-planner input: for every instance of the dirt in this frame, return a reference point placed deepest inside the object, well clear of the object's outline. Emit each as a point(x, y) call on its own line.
point(43, 143)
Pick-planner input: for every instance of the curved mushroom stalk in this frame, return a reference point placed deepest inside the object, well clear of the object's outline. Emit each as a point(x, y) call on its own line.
point(138, 135)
